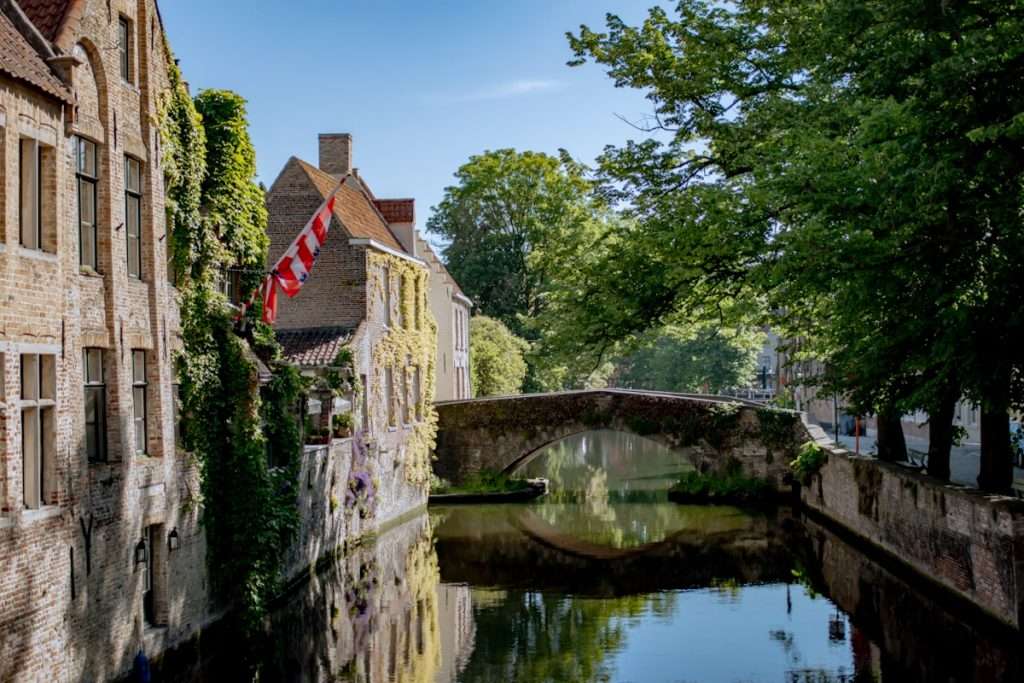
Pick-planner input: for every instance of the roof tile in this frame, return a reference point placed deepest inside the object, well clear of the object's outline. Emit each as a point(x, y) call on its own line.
point(313, 346)
point(46, 15)
point(354, 209)
point(20, 60)
point(397, 210)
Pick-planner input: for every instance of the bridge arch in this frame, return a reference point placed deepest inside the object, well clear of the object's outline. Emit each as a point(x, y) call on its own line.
point(504, 433)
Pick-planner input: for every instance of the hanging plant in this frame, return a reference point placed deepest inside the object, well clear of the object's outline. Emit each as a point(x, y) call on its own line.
point(216, 221)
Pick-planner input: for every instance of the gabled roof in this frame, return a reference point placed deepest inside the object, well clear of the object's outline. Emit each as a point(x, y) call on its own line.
point(353, 207)
point(47, 15)
point(434, 260)
point(313, 346)
point(21, 61)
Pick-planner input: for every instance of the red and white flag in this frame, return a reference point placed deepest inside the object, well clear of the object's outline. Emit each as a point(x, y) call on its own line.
point(293, 268)
point(269, 296)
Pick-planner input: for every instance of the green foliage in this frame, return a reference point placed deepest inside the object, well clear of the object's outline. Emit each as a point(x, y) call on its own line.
point(729, 487)
point(808, 461)
point(851, 171)
point(184, 164)
point(777, 428)
point(497, 367)
point(233, 204)
point(705, 360)
point(507, 209)
point(485, 481)
point(217, 221)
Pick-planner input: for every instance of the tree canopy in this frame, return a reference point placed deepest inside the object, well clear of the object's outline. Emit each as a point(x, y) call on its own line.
point(497, 366)
point(854, 169)
point(508, 215)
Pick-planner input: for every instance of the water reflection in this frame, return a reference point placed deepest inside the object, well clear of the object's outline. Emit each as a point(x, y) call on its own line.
point(544, 593)
point(605, 486)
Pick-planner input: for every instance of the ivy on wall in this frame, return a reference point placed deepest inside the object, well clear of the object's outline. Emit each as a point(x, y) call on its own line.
point(217, 220)
point(413, 336)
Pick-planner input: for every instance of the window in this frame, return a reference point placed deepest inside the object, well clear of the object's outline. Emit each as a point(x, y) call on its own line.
point(365, 403)
point(176, 413)
point(389, 395)
point(38, 427)
point(95, 405)
point(139, 400)
point(406, 417)
point(231, 285)
point(133, 215)
point(124, 47)
point(418, 312)
point(416, 393)
point(387, 296)
point(30, 193)
point(87, 175)
point(153, 590)
point(402, 322)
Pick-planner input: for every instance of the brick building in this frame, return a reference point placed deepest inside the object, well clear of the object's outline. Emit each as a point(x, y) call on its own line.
point(98, 526)
point(371, 291)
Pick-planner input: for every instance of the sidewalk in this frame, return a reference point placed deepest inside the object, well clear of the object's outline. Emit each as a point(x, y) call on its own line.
point(964, 461)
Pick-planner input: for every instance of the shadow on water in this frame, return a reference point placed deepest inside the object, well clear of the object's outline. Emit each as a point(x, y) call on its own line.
point(607, 581)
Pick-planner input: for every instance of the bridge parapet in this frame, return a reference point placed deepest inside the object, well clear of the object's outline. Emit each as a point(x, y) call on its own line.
point(716, 433)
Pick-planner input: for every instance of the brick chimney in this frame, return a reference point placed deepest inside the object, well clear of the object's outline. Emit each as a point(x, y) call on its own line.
point(336, 154)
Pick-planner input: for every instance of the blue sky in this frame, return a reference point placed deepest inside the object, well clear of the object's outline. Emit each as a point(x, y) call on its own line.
point(421, 85)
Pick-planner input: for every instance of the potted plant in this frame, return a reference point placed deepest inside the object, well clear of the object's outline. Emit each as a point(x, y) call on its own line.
point(343, 425)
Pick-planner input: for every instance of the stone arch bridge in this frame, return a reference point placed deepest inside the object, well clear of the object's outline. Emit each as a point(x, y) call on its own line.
point(716, 433)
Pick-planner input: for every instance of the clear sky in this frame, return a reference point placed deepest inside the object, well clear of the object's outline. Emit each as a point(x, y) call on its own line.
point(420, 84)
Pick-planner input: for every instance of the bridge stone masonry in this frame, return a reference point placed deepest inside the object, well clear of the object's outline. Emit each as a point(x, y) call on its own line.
point(716, 434)
point(967, 543)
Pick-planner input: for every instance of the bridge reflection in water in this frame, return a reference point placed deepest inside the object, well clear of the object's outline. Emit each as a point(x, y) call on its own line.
point(607, 581)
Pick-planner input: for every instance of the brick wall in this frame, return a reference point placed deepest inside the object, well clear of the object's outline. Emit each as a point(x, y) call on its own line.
point(969, 542)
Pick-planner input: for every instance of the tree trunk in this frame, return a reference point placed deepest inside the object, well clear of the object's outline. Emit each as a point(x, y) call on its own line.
point(996, 458)
point(892, 447)
point(940, 436)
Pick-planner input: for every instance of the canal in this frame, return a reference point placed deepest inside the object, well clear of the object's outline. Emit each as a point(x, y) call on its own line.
point(605, 580)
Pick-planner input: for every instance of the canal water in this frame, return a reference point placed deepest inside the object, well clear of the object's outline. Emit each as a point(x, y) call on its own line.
point(605, 580)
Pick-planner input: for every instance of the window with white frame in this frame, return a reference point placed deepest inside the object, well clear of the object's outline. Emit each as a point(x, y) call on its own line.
point(87, 175)
point(139, 390)
point(133, 215)
point(38, 427)
point(95, 405)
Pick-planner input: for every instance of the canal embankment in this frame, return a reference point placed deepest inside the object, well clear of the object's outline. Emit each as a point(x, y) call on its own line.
point(969, 542)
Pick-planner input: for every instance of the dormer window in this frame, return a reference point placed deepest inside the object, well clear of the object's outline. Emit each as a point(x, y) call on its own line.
point(124, 47)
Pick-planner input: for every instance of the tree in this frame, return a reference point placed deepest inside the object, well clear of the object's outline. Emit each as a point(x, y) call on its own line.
point(704, 360)
point(506, 210)
point(854, 167)
point(497, 367)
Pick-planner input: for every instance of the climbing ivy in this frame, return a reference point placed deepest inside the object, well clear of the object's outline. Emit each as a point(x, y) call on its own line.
point(416, 338)
point(217, 221)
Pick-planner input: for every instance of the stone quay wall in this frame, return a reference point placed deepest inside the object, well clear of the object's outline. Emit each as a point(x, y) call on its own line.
point(967, 541)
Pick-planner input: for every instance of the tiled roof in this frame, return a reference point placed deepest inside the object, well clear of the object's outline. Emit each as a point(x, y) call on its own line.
point(46, 14)
point(353, 208)
point(397, 210)
point(313, 346)
point(20, 60)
